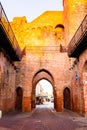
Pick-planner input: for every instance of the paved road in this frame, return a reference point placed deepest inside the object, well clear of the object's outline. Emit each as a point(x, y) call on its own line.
point(43, 119)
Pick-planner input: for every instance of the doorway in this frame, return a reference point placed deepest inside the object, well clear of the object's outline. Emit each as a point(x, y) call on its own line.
point(44, 94)
point(19, 95)
point(66, 97)
point(39, 77)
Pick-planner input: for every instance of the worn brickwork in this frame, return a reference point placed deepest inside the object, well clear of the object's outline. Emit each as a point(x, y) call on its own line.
point(74, 12)
point(45, 41)
point(7, 84)
point(42, 40)
point(79, 84)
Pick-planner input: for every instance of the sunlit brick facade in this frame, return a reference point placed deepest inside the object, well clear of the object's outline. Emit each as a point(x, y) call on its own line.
point(45, 41)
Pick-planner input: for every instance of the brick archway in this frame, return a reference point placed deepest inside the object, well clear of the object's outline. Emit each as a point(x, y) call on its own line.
point(41, 74)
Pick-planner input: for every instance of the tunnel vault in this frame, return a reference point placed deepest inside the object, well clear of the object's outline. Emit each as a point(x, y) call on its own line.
point(41, 74)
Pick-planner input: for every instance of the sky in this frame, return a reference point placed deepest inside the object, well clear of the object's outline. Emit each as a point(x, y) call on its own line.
point(46, 85)
point(29, 8)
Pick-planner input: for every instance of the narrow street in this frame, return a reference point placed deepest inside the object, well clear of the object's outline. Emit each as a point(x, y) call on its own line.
point(43, 118)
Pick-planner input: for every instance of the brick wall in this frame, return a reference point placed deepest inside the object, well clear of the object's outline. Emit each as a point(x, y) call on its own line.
point(74, 12)
point(7, 84)
point(42, 41)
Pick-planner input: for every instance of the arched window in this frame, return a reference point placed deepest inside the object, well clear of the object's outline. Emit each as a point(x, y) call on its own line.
point(59, 31)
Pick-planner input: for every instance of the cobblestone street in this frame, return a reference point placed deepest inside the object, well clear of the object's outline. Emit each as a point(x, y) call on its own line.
point(43, 119)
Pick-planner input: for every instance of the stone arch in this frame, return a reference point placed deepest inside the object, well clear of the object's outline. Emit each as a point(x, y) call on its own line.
point(66, 98)
point(59, 26)
point(19, 96)
point(41, 74)
point(59, 31)
point(84, 78)
point(45, 73)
